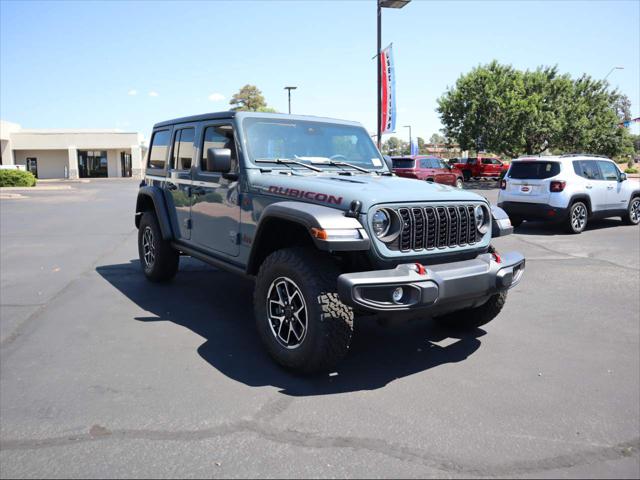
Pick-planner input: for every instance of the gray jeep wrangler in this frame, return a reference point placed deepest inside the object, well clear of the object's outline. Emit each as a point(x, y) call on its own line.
point(309, 207)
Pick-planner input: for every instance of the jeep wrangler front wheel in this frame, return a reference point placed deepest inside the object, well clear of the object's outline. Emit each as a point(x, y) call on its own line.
point(159, 260)
point(300, 319)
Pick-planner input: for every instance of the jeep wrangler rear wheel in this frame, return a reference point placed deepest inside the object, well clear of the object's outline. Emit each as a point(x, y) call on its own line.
point(300, 319)
point(475, 317)
point(159, 260)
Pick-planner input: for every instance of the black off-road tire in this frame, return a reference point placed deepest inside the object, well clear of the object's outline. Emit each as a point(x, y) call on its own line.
point(329, 321)
point(570, 224)
point(629, 218)
point(165, 258)
point(471, 318)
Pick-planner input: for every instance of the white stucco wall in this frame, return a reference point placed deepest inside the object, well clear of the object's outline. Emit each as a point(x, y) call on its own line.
point(51, 163)
point(82, 140)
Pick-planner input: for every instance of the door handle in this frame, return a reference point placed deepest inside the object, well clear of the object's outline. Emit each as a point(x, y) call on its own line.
point(589, 187)
point(609, 187)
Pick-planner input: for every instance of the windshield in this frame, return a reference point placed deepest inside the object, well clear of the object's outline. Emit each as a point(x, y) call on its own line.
point(534, 170)
point(310, 142)
point(403, 163)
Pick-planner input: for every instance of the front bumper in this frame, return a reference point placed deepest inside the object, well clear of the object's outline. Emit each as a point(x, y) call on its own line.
point(440, 289)
point(534, 211)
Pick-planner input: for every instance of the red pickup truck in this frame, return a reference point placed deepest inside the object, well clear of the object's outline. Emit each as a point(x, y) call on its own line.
point(481, 167)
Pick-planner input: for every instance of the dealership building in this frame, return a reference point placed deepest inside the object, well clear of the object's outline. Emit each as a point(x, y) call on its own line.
point(55, 153)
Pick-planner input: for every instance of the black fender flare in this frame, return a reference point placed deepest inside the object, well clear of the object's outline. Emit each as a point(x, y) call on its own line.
point(500, 223)
point(155, 195)
point(312, 216)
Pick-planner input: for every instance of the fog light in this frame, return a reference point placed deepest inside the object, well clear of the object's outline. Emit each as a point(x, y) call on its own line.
point(397, 294)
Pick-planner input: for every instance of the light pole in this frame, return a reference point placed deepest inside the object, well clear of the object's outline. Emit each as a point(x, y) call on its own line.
point(383, 4)
point(611, 71)
point(409, 127)
point(289, 92)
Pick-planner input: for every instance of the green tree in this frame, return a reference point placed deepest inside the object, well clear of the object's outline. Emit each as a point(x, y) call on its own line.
point(394, 146)
point(437, 138)
point(249, 98)
point(500, 109)
point(422, 149)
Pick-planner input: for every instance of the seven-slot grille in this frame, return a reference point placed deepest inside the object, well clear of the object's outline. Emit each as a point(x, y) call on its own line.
point(436, 227)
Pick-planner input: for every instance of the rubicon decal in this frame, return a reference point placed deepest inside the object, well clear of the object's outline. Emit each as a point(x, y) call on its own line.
point(295, 193)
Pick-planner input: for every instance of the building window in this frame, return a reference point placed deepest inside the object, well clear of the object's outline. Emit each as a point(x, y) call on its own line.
point(125, 164)
point(92, 163)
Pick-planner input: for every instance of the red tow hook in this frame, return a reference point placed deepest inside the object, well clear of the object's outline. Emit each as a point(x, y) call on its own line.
point(496, 255)
point(420, 269)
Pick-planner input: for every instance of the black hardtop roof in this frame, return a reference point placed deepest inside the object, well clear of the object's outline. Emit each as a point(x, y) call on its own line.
point(196, 118)
point(241, 114)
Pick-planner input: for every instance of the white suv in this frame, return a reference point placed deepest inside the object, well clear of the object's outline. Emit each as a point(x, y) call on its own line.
point(568, 189)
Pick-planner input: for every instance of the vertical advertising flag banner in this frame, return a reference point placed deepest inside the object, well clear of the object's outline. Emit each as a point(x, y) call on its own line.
point(414, 146)
point(388, 91)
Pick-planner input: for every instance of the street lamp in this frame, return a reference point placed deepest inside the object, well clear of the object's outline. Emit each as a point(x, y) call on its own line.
point(289, 92)
point(611, 71)
point(409, 127)
point(383, 4)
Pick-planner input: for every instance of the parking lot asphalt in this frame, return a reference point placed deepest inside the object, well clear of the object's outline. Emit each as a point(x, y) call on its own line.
point(103, 374)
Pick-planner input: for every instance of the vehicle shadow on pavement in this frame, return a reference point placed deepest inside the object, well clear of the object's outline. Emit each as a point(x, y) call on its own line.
point(551, 229)
point(218, 306)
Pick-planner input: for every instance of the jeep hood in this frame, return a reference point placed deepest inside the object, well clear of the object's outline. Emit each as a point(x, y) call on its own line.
point(339, 191)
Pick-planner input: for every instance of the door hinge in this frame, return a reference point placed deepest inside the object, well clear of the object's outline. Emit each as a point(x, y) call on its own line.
point(187, 223)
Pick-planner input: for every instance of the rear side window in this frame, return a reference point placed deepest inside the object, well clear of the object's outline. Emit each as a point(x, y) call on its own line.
point(609, 170)
point(159, 149)
point(587, 169)
point(534, 170)
point(403, 163)
point(183, 149)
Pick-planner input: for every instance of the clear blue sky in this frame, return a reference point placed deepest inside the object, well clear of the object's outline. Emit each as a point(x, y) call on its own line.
point(78, 64)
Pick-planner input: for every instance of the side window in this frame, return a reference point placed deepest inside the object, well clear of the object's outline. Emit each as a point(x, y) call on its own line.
point(183, 149)
point(219, 136)
point(590, 170)
point(424, 163)
point(487, 161)
point(159, 149)
point(609, 170)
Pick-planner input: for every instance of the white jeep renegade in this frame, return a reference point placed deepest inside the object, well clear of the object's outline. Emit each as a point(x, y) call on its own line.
point(568, 189)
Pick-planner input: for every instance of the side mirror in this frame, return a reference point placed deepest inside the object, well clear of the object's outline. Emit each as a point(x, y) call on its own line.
point(622, 177)
point(389, 162)
point(218, 160)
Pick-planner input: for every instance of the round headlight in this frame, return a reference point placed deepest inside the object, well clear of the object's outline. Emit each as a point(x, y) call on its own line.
point(380, 223)
point(481, 219)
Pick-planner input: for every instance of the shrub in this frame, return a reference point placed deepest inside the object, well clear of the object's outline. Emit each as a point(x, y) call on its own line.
point(16, 178)
point(631, 170)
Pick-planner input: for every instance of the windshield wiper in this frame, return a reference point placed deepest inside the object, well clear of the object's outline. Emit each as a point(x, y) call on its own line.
point(287, 161)
point(335, 163)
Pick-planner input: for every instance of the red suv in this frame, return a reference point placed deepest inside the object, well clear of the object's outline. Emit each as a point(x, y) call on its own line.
point(431, 169)
point(479, 167)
